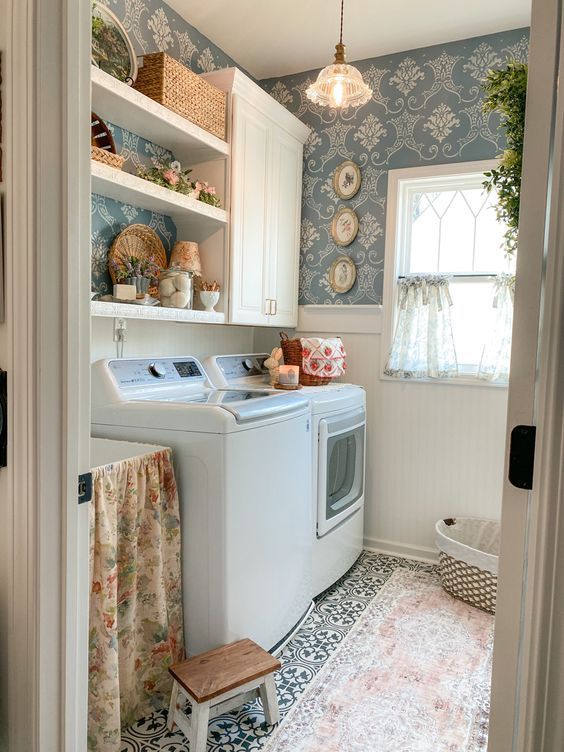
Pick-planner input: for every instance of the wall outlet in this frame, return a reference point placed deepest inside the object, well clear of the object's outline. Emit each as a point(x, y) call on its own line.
point(120, 328)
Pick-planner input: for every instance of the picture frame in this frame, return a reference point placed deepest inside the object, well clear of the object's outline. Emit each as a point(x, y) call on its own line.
point(342, 274)
point(344, 227)
point(347, 180)
point(112, 50)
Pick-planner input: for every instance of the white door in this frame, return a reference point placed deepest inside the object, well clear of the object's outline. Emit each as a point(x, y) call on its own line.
point(284, 242)
point(44, 343)
point(519, 682)
point(250, 192)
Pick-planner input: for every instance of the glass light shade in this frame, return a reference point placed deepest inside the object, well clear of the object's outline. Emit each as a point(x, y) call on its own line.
point(339, 85)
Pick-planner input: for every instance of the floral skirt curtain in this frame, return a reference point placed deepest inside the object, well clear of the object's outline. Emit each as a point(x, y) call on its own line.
point(136, 629)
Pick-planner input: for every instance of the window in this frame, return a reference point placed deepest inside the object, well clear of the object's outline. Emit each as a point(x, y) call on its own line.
point(441, 221)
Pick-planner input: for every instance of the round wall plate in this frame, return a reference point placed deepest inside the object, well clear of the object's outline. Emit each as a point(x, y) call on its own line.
point(342, 274)
point(112, 50)
point(347, 180)
point(344, 226)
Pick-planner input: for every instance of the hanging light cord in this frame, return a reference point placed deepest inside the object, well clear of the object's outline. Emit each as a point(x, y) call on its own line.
point(342, 16)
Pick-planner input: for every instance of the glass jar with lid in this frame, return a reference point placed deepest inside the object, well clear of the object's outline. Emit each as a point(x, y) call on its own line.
point(175, 288)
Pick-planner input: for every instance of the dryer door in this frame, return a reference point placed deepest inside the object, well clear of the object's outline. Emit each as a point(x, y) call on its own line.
point(340, 469)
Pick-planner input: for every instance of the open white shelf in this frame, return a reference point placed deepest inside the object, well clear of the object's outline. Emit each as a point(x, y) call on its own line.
point(202, 219)
point(124, 106)
point(153, 313)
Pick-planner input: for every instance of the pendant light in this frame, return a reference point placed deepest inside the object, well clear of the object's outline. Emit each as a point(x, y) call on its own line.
point(339, 85)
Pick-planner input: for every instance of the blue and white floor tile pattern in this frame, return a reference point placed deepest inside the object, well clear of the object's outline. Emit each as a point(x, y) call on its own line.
point(335, 612)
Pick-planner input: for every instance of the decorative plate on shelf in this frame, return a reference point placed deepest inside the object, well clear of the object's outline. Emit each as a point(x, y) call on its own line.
point(342, 274)
point(344, 226)
point(112, 50)
point(347, 180)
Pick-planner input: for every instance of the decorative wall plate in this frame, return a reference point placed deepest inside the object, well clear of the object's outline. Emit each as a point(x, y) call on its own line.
point(112, 50)
point(342, 274)
point(344, 226)
point(347, 180)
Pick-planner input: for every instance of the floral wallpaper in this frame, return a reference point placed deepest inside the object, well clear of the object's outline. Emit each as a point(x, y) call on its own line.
point(425, 108)
point(151, 26)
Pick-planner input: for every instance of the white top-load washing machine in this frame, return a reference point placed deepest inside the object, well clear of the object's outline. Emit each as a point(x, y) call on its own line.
point(245, 533)
point(337, 461)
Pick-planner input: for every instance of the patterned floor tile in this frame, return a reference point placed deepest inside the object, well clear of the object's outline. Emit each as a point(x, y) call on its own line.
point(335, 612)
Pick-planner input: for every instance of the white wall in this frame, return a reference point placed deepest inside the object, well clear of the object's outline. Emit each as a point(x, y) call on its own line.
point(433, 450)
point(160, 338)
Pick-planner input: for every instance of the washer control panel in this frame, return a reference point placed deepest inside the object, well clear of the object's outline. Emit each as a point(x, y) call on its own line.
point(149, 371)
point(235, 367)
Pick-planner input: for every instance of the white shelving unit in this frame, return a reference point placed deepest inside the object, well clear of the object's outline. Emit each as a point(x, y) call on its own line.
point(201, 218)
point(153, 313)
point(124, 106)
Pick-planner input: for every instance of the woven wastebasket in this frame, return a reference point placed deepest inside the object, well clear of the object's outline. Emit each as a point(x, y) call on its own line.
point(468, 559)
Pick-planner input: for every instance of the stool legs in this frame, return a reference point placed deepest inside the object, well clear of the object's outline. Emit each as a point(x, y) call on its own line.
point(199, 726)
point(172, 708)
point(269, 698)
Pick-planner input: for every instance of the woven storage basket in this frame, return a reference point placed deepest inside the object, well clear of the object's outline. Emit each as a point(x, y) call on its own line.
point(102, 145)
point(106, 157)
point(468, 558)
point(173, 85)
point(292, 352)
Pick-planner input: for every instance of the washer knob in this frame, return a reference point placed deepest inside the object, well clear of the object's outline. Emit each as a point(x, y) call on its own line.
point(157, 370)
point(248, 364)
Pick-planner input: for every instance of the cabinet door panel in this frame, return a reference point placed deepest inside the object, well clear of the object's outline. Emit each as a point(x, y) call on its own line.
point(249, 214)
point(285, 212)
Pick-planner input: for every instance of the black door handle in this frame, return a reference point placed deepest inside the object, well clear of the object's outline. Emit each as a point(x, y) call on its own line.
point(522, 456)
point(3, 418)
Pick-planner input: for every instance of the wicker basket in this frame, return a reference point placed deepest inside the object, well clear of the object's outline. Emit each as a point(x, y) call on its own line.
point(106, 157)
point(102, 145)
point(173, 85)
point(468, 560)
point(292, 352)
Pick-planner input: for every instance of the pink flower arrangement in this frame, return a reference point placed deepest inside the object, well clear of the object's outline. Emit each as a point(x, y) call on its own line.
point(171, 177)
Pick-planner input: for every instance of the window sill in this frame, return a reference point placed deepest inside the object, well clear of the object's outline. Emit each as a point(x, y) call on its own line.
point(460, 381)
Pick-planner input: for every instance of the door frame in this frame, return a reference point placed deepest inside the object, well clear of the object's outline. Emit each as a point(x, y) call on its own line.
point(527, 584)
point(46, 96)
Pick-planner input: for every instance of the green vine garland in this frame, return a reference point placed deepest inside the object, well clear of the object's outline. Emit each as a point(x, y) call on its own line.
point(506, 92)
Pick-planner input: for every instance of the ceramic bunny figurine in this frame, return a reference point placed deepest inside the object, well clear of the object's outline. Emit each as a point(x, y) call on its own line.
point(273, 365)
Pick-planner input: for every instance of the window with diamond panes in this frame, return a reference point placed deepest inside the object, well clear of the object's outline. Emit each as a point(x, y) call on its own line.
point(449, 226)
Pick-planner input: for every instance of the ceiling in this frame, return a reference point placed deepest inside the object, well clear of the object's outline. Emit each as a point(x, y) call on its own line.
point(278, 37)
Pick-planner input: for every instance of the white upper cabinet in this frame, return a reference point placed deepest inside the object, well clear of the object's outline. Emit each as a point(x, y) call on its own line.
point(266, 190)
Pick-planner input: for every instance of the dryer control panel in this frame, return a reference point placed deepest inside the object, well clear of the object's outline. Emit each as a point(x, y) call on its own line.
point(151, 372)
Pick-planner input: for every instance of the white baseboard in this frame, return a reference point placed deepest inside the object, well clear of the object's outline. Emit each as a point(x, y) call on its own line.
point(406, 550)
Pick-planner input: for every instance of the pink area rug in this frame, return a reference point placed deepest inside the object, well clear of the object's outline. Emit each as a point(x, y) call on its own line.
point(413, 675)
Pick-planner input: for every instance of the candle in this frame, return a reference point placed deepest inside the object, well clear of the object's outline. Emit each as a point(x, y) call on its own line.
point(289, 375)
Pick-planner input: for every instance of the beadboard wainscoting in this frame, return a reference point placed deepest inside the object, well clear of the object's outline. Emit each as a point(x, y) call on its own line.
point(147, 339)
point(433, 450)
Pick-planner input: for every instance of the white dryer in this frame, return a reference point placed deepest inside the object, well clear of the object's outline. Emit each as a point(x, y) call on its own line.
point(337, 465)
point(245, 534)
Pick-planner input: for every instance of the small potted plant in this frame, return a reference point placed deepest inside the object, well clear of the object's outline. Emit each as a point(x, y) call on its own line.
point(142, 273)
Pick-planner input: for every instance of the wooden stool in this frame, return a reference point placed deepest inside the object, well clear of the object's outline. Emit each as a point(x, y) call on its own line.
point(218, 681)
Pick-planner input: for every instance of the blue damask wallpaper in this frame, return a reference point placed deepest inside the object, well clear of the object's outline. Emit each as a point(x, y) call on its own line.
point(425, 108)
point(152, 26)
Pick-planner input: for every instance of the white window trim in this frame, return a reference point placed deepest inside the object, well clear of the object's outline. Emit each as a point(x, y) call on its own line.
point(392, 267)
